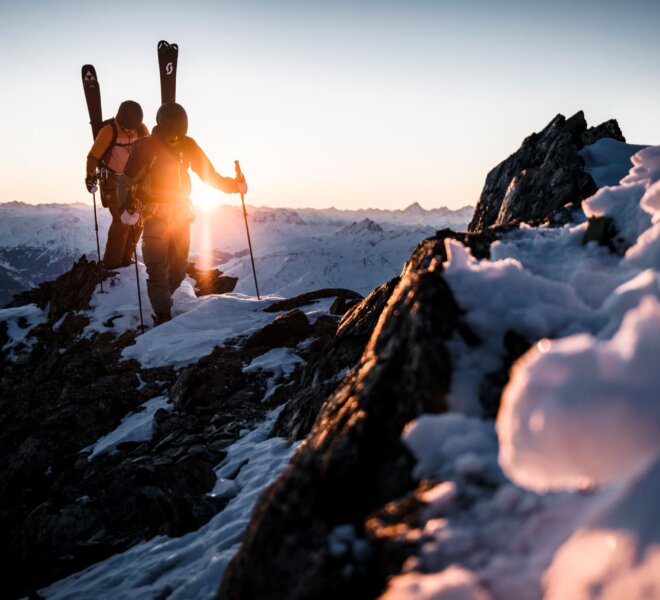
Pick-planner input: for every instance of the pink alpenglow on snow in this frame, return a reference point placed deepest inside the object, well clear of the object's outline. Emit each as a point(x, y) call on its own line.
point(580, 411)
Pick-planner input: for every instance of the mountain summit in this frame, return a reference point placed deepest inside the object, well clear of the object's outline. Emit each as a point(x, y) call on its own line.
point(364, 226)
point(414, 209)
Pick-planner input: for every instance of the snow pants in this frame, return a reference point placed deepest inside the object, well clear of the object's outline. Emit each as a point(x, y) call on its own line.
point(165, 246)
point(119, 247)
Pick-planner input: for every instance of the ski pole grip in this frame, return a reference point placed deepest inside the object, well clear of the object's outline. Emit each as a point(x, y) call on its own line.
point(239, 174)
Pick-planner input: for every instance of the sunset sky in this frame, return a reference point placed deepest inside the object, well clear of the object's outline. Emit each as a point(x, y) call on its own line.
point(351, 104)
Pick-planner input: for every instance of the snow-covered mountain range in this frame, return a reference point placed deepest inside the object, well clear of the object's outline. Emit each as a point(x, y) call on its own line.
point(322, 248)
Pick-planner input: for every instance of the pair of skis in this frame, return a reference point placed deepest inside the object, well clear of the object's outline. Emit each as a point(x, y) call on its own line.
point(167, 64)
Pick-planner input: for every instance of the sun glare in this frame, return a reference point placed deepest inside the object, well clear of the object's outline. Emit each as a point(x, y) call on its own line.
point(205, 198)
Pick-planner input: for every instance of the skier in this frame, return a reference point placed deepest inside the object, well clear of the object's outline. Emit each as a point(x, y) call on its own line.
point(156, 183)
point(106, 161)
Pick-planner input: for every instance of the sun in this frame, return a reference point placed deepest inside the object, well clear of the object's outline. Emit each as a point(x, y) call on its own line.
point(204, 197)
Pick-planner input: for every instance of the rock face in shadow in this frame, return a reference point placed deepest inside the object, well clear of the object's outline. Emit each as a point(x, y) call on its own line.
point(60, 512)
point(353, 461)
point(544, 175)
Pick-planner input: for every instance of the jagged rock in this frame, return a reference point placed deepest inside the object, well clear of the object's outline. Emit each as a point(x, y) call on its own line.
point(336, 351)
point(360, 320)
point(70, 292)
point(353, 460)
point(309, 297)
point(211, 281)
point(285, 331)
point(543, 176)
point(608, 129)
point(342, 304)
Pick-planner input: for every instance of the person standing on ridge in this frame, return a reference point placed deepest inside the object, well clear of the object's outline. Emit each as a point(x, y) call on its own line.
point(156, 183)
point(107, 158)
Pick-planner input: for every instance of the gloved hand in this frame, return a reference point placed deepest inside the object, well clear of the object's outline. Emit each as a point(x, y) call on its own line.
point(90, 182)
point(241, 186)
point(129, 218)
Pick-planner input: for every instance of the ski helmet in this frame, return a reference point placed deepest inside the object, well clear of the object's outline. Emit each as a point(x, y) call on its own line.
point(129, 115)
point(172, 119)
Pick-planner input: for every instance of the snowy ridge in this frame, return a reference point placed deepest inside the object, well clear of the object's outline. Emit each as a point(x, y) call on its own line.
point(578, 429)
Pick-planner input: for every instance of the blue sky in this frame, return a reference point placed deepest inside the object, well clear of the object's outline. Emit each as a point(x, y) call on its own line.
point(351, 104)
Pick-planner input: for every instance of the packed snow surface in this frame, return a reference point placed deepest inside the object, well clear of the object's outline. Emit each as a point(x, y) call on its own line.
point(574, 463)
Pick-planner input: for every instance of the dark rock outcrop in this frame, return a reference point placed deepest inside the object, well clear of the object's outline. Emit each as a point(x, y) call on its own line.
point(287, 330)
point(353, 460)
point(328, 360)
point(310, 297)
point(211, 281)
point(544, 175)
point(70, 292)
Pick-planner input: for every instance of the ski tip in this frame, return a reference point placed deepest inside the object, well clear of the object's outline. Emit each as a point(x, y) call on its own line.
point(163, 45)
point(89, 77)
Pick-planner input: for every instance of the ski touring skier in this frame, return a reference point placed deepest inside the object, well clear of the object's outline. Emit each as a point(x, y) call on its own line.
point(156, 183)
point(105, 162)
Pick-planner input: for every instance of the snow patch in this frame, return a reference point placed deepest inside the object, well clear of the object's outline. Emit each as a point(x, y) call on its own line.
point(134, 427)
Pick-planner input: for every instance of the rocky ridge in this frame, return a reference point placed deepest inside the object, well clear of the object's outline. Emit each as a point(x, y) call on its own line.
point(544, 176)
point(59, 511)
point(353, 473)
point(370, 367)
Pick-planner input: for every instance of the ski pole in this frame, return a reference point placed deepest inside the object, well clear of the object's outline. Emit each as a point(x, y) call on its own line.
point(98, 246)
point(240, 177)
point(137, 276)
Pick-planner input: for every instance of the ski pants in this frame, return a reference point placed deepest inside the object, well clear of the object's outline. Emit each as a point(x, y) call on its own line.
point(165, 246)
point(119, 247)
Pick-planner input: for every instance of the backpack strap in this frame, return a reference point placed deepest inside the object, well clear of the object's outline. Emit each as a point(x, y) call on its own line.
point(113, 141)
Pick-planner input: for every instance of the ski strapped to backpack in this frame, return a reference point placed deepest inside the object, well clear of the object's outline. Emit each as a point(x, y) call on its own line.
point(167, 60)
point(92, 91)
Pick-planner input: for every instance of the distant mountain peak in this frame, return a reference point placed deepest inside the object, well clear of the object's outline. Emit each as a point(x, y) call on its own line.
point(414, 209)
point(364, 226)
